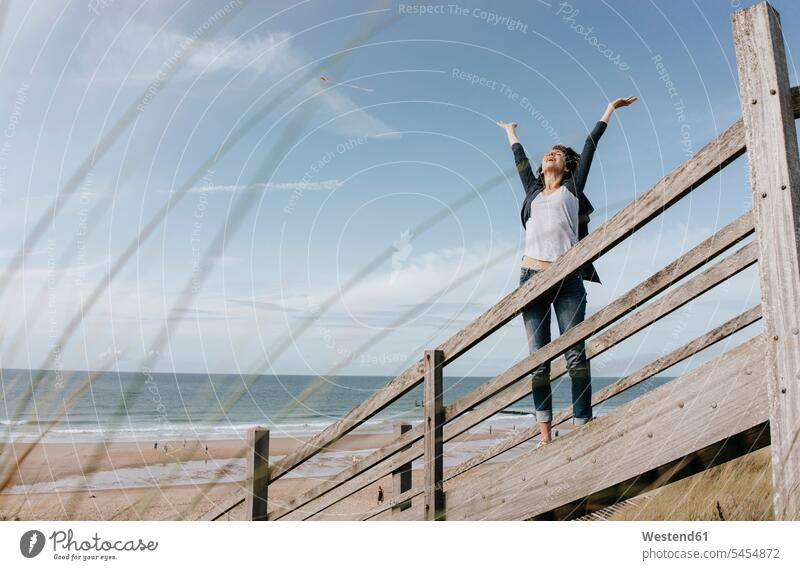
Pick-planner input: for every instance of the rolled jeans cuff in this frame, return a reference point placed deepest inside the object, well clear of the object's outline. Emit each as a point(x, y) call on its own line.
point(545, 416)
point(538, 381)
point(581, 421)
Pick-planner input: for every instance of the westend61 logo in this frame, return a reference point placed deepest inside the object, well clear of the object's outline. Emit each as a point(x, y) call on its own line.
point(65, 547)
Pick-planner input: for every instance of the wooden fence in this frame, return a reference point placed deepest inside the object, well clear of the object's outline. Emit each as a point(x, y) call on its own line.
point(743, 400)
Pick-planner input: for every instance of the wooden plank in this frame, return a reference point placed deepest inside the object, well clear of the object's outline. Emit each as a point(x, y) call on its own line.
point(708, 249)
point(432, 440)
point(717, 453)
point(401, 477)
point(695, 462)
point(718, 399)
point(650, 287)
point(648, 371)
point(257, 474)
point(379, 401)
point(414, 513)
point(608, 314)
point(734, 263)
point(774, 168)
point(401, 382)
point(700, 167)
point(674, 186)
point(659, 365)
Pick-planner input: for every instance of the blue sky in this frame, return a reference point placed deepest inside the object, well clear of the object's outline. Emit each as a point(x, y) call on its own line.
point(340, 172)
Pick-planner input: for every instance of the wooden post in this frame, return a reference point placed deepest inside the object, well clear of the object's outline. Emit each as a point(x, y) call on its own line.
point(257, 474)
point(401, 477)
point(434, 456)
point(774, 168)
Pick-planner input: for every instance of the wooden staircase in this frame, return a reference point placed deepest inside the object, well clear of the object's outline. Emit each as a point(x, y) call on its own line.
point(743, 400)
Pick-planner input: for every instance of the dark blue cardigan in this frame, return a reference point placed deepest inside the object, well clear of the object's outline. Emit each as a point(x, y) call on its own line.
point(533, 184)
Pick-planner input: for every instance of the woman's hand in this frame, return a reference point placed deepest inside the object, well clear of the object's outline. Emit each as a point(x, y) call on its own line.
point(506, 125)
point(616, 104)
point(511, 132)
point(624, 102)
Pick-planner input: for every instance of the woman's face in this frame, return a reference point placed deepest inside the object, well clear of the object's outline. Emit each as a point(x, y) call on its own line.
point(554, 161)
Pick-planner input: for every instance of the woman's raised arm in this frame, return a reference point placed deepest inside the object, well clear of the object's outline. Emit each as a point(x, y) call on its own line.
point(584, 164)
point(616, 104)
point(523, 165)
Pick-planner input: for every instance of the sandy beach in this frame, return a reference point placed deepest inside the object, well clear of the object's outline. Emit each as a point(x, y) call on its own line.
point(27, 465)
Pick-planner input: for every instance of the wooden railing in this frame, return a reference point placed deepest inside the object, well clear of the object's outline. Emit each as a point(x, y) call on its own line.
point(720, 410)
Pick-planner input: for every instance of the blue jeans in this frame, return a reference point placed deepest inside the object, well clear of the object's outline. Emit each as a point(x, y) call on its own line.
point(569, 301)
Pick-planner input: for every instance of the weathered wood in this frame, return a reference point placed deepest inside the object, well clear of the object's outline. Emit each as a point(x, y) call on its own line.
point(647, 289)
point(712, 455)
point(691, 289)
point(433, 444)
point(659, 365)
point(700, 167)
point(703, 165)
point(722, 451)
point(718, 399)
point(608, 314)
point(414, 513)
point(648, 371)
point(257, 474)
point(695, 462)
point(412, 376)
point(401, 477)
point(774, 168)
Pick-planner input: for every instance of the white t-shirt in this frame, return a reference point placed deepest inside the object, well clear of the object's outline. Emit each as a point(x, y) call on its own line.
point(553, 226)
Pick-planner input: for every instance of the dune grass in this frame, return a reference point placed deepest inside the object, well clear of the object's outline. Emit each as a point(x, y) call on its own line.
point(737, 490)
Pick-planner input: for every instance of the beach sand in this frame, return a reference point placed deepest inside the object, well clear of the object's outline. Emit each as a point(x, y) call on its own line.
point(47, 462)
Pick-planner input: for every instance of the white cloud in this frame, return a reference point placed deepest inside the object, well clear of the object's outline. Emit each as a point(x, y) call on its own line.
point(263, 59)
point(230, 188)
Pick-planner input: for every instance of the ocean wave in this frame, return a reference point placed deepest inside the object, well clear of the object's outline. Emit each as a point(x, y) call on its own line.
point(26, 430)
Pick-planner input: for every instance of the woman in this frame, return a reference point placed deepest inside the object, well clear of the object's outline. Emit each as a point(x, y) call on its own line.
point(555, 215)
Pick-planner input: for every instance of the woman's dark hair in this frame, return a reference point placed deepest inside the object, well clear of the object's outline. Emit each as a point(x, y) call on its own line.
point(570, 158)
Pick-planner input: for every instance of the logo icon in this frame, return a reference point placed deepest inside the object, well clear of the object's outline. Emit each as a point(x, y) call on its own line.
point(402, 249)
point(31, 543)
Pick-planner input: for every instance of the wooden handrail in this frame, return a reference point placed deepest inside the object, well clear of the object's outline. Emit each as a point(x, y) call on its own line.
point(774, 174)
point(701, 166)
point(725, 387)
point(720, 398)
point(650, 287)
point(648, 371)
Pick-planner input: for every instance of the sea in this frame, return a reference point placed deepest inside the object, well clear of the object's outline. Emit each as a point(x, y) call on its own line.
point(85, 406)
